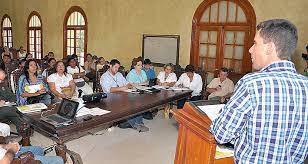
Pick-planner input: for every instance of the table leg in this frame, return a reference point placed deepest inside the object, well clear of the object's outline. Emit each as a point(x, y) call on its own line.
point(60, 151)
point(25, 132)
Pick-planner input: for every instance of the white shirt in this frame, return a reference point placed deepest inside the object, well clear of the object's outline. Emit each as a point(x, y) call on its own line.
point(71, 70)
point(171, 77)
point(22, 55)
point(227, 86)
point(60, 81)
point(195, 84)
point(4, 131)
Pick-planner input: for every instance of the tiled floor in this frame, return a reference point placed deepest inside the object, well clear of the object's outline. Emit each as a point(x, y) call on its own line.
point(115, 146)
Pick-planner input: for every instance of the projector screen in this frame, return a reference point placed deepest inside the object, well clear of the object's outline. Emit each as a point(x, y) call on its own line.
point(161, 49)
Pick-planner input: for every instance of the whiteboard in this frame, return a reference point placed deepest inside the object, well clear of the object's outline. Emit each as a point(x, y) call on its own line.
point(161, 49)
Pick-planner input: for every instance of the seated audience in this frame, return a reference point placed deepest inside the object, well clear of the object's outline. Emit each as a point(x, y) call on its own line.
point(21, 53)
point(137, 76)
point(147, 64)
point(101, 63)
point(7, 96)
point(167, 77)
point(31, 86)
point(29, 56)
point(61, 83)
point(221, 88)
point(89, 66)
point(78, 74)
point(50, 68)
point(113, 81)
point(12, 150)
point(190, 80)
point(6, 52)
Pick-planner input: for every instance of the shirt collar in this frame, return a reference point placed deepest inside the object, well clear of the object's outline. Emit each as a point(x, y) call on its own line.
point(282, 65)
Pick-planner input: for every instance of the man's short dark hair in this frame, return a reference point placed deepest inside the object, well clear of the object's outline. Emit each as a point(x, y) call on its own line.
point(147, 61)
point(307, 47)
point(190, 68)
point(49, 60)
point(114, 62)
point(9, 56)
point(282, 33)
point(224, 69)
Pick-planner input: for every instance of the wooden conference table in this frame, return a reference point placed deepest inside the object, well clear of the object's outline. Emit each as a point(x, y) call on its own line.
point(122, 106)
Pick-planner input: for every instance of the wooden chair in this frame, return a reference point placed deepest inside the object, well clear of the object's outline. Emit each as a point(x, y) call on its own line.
point(203, 75)
point(14, 78)
point(99, 74)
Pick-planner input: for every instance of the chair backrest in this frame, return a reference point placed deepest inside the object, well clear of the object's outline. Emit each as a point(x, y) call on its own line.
point(203, 75)
point(14, 78)
point(99, 74)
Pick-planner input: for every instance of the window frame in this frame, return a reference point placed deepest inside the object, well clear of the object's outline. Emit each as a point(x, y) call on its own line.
point(34, 13)
point(249, 27)
point(66, 28)
point(7, 29)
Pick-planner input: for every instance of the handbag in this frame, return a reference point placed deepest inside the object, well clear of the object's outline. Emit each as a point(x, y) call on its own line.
point(79, 82)
point(35, 99)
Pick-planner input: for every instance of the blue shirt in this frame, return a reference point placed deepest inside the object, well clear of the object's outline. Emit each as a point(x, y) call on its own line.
point(150, 73)
point(133, 77)
point(109, 81)
point(267, 117)
point(24, 85)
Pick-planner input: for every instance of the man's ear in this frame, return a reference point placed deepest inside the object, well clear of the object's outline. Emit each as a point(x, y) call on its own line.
point(271, 48)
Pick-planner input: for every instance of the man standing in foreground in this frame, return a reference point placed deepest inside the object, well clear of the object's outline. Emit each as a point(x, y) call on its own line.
point(267, 117)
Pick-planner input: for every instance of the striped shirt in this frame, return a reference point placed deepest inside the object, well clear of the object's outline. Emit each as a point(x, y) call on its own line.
point(267, 117)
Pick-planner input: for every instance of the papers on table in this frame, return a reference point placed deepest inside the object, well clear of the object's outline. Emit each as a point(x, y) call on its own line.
point(32, 108)
point(178, 88)
point(212, 111)
point(223, 152)
point(91, 111)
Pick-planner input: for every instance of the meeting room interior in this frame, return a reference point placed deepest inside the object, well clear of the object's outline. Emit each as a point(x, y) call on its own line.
point(154, 81)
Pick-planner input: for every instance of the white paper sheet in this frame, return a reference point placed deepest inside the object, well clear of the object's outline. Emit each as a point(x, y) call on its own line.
point(91, 111)
point(212, 111)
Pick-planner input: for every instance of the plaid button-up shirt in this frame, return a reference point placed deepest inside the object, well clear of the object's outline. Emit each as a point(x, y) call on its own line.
point(267, 117)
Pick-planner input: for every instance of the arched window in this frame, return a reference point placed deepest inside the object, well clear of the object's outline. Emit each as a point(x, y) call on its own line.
point(222, 34)
point(75, 33)
point(6, 30)
point(35, 41)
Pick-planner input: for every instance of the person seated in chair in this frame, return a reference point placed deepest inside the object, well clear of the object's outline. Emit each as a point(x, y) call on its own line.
point(61, 83)
point(6, 97)
point(147, 64)
point(10, 151)
point(50, 68)
point(221, 88)
point(21, 53)
point(190, 80)
point(6, 52)
point(7, 60)
point(101, 63)
point(167, 77)
point(113, 81)
point(31, 86)
point(79, 77)
point(137, 76)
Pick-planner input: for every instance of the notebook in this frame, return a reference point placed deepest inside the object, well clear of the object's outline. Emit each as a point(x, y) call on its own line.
point(65, 115)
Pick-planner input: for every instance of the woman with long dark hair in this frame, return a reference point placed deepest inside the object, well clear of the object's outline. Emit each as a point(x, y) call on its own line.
point(31, 86)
